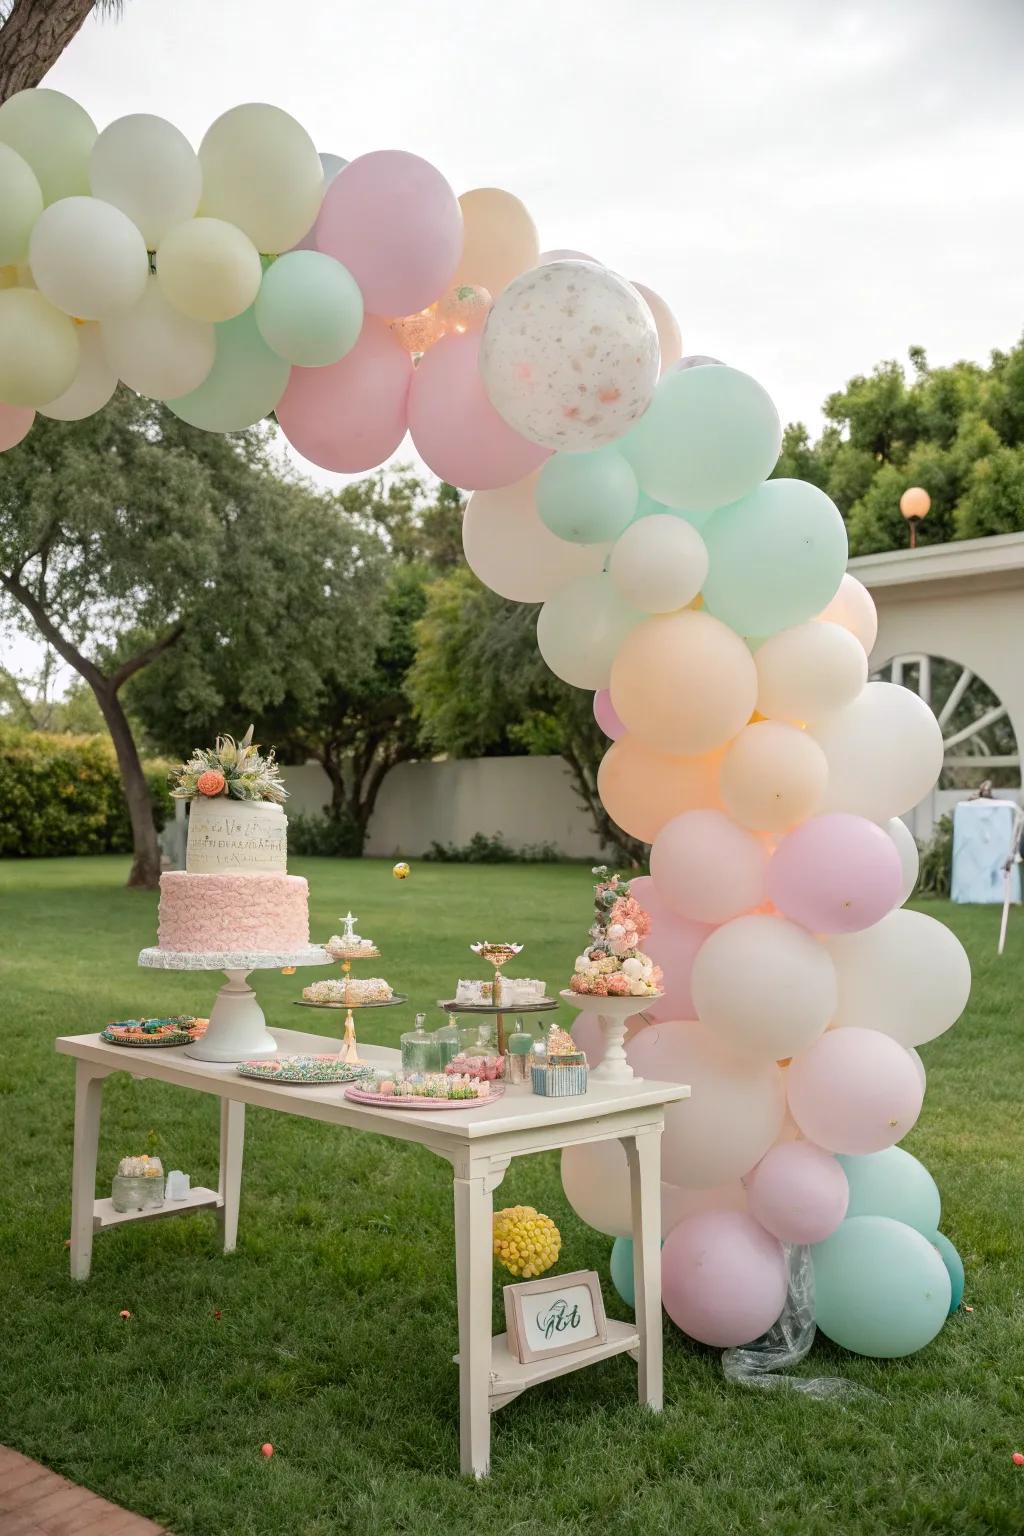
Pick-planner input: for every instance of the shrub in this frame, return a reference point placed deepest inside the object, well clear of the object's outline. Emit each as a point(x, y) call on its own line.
point(323, 836)
point(491, 848)
point(936, 877)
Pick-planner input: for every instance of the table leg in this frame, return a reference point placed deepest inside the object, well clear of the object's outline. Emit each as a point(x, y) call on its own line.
point(232, 1146)
point(88, 1103)
point(643, 1153)
point(474, 1207)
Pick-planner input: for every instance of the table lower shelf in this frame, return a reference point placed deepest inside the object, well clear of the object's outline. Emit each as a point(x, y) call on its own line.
point(510, 1376)
point(200, 1199)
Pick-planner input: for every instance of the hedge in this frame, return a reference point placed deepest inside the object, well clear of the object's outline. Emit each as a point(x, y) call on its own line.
point(62, 795)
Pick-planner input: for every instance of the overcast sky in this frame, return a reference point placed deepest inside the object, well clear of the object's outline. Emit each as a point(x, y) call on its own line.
point(813, 185)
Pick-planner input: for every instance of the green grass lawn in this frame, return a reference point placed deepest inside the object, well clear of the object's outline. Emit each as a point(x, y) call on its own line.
point(337, 1314)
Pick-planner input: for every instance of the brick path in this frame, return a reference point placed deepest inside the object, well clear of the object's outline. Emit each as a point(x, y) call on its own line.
point(36, 1502)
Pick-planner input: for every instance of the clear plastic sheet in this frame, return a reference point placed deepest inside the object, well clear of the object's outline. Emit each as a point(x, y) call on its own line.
point(788, 1343)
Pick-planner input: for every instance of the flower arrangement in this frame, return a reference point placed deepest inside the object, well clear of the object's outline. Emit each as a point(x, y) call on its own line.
point(525, 1242)
point(614, 964)
point(238, 770)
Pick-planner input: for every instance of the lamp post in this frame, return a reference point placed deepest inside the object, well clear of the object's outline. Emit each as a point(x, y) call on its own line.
point(914, 504)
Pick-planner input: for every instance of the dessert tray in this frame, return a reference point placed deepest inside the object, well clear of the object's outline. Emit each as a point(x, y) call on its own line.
point(307, 1071)
point(539, 1005)
point(381, 1002)
point(419, 1101)
point(153, 1034)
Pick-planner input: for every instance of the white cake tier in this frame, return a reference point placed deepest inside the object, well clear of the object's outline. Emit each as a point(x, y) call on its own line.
point(228, 836)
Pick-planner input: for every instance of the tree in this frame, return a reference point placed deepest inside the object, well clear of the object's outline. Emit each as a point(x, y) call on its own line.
point(34, 34)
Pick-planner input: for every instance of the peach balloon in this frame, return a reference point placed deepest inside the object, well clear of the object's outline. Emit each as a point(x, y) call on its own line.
point(15, 425)
point(351, 415)
point(708, 868)
point(853, 607)
point(595, 1178)
point(642, 788)
point(512, 552)
point(773, 776)
point(684, 682)
point(499, 239)
point(669, 338)
point(808, 671)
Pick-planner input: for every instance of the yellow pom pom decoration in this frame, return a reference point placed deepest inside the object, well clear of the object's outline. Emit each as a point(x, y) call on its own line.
point(525, 1243)
point(401, 871)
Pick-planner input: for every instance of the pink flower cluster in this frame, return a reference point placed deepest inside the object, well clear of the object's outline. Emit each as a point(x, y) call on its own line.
point(482, 1068)
point(628, 911)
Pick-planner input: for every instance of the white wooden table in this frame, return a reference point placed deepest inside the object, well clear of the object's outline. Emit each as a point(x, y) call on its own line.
point(479, 1144)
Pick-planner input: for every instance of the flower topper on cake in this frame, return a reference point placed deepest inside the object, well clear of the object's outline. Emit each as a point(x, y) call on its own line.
point(614, 965)
point(238, 770)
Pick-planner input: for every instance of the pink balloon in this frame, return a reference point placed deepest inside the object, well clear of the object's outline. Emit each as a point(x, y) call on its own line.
point(606, 716)
point(674, 947)
point(15, 424)
point(589, 1035)
point(798, 1193)
point(456, 428)
point(394, 221)
point(708, 868)
point(724, 1278)
point(836, 874)
point(854, 1091)
point(350, 415)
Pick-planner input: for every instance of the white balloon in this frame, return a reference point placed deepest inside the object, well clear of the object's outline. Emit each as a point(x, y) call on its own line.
point(910, 855)
point(580, 629)
point(158, 351)
point(659, 563)
point(809, 671)
point(884, 752)
point(908, 977)
point(569, 355)
point(88, 258)
point(514, 553)
point(93, 384)
point(764, 986)
point(853, 608)
point(147, 168)
point(595, 1177)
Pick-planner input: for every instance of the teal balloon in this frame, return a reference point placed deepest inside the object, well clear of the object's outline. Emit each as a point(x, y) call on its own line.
point(892, 1183)
point(244, 384)
point(777, 557)
point(709, 436)
point(646, 507)
point(587, 498)
point(309, 309)
point(880, 1288)
point(622, 1269)
point(954, 1268)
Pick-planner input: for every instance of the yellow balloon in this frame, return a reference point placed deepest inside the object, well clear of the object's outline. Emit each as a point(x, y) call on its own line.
point(208, 269)
point(642, 789)
point(684, 682)
point(773, 776)
point(261, 172)
point(500, 239)
point(55, 135)
point(39, 349)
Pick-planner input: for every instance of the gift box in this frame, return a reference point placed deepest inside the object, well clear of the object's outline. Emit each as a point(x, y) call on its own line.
point(556, 1079)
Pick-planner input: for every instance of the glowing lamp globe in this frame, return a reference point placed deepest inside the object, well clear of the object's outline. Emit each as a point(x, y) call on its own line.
point(915, 503)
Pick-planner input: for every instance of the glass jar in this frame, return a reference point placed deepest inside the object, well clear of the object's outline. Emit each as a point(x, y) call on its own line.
point(447, 1041)
point(131, 1192)
point(478, 1040)
point(517, 1057)
point(419, 1048)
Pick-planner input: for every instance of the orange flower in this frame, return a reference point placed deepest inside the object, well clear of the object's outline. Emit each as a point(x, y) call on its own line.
point(211, 782)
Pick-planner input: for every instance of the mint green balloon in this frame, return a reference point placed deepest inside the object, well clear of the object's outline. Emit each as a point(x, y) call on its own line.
point(777, 557)
point(587, 498)
point(309, 309)
point(244, 384)
point(893, 1183)
point(709, 436)
point(954, 1268)
point(621, 1269)
point(880, 1288)
point(647, 507)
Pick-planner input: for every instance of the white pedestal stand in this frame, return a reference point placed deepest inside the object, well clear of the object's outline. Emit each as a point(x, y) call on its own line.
point(614, 1014)
point(237, 1030)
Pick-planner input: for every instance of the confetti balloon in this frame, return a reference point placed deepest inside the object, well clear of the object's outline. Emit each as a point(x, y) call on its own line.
point(401, 871)
point(417, 333)
point(464, 308)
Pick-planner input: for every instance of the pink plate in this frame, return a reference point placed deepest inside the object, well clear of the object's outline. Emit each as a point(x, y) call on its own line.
point(390, 1101)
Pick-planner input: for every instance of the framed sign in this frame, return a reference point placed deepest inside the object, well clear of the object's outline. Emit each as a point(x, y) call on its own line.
point(555, 1316)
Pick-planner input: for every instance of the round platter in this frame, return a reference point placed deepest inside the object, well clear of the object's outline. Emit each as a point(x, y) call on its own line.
point(302, 1071)
point(387, 1002)
point(232, 959)
point(390, 1101)
point(543, 1006)
point(182, 1033)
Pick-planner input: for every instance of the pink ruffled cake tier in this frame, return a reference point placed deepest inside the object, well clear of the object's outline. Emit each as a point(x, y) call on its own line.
point(201, 913)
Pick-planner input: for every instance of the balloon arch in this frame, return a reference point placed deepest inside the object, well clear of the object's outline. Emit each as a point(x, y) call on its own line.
point(625, 488)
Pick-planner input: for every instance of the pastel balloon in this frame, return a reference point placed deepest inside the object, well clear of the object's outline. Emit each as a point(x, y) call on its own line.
point(835, 874)
point(908, 976)
point(642, 788)
point(21, 203)
point(208, 269)
point(884, 752)
point(954, 1268)
point(351, 415)
point(499, 239)
point(147, 168)
point(764, 987)
point(620, 1270)
point(581, 628)
point(94, 382)
point(674, 947)
point(395, 223)
point(735, 1111)
point(646, 507)
point(777, 556)
point(564, 255)
point(696, 360)
point(919, 1066)
point(707, 868)
point(541, 365)
point(684, 683)
point(508, 547)
point(809, 671)
point(711, 435)
point(587, 498)
point(15, 425)
point(772, 776)
point(909, 855)
point(853, 608)
point(588, 1033)
point(455, 427)
point(463, 308)
point(724, 1278)
point(245, 383)
point(798, 1192)
point(39, 349)
point(605, 715)
point(659, 563)
point(854, 1091)
point(670, 342)
point(332, 164)
point(54, 135)
point(88, 258)
point(418, 332)
point(156, 350)
point(309, 309)
point(892, 1183)
point(880, 1288)
point(261, 172)
point(595, 1177)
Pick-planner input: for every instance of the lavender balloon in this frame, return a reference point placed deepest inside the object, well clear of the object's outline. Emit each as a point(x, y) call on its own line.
point(836, 874)
point(607, 716)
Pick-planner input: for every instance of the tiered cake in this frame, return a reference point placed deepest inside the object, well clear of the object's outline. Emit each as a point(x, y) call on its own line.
point(235, 893)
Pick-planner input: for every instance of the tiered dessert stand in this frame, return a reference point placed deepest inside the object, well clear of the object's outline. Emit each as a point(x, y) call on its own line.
point(238, 1030)
point(498, 955)
point(352, 948)
point(614, 1014)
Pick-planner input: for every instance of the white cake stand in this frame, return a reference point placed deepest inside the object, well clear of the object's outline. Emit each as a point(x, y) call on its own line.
point(237, 1030)
point(614, 1014)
